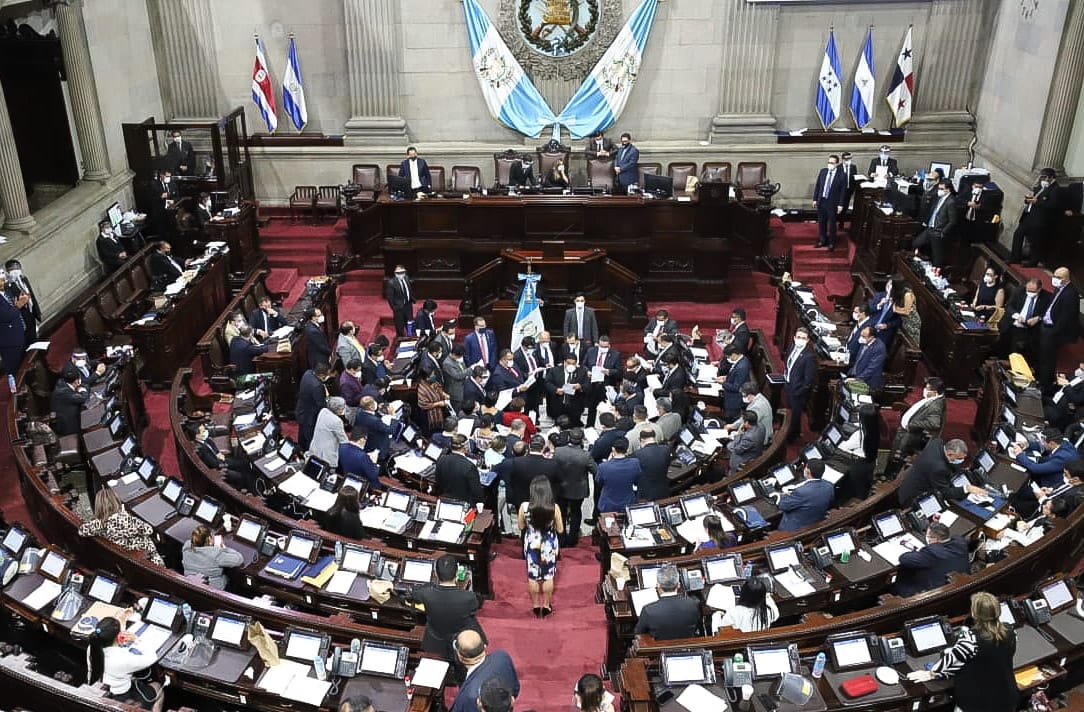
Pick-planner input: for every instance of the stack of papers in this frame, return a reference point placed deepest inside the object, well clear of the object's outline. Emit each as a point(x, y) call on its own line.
point(640, 538)
point(43, 595)
point(721, 597)
point(291, 680)
point(341, 582)
point(699, 699)
point(321, 500)
point(299, 485)
point(430, 673)
point(795, 584)
point(892, 549)
point(413, 463)
point(642, 597)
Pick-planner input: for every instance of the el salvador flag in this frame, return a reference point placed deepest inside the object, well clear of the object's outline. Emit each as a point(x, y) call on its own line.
point(602, 97)
point(864, 83)
point(293, 94)
point(829, 88)
point(529, 314)
point(509, 93)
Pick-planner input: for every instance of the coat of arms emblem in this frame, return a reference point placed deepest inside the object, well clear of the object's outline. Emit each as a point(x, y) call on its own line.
point(557, 28)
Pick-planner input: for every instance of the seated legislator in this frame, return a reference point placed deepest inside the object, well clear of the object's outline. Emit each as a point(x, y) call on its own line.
point(243, 350)
point(598, 146)
point(990, 294)
point(754, 610)
point(869, 362)
point(113, 662)
point(344, 517)
point(674, 615)
point(927, 568)
point(112, 521)
point(355, 462)
point(755, 401)
point(110, 250)
point(203, 211)
point(933, 470)
point(163, 266)
point(1018, 330)
point(747, 443)
point(266, 319)
point(809, 501)
point(67, 401)
point(238, 472)
point(201, 556)
point(922, 420)
point(1046, 459)
point(90, 372)
point(940, 224)
point(1064, 405)
point(556, 176)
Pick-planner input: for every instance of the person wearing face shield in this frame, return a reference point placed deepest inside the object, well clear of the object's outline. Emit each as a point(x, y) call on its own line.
point(933, 470)
point(1038, 219)
point(18, 285)
point(90, 372)
point(110, 250)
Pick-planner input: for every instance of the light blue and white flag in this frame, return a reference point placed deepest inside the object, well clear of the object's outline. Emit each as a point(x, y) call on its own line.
point(529, 314)
point(293, 94)
point(829, 87)
point(864, 83)
point(509, 93)
point(602, 97)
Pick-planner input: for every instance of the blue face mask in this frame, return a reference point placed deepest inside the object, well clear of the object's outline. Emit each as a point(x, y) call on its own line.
point(959, 461)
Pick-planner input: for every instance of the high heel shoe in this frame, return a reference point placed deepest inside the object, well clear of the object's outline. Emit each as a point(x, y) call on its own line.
point(537, 612)
point(546, 610)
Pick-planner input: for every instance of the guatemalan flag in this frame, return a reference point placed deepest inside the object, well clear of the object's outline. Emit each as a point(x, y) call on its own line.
point(262, 93)
point(829, 87)
point(901, 92)
point(864, 82)
point(602, 97)
point(529, 314)
point(509, 93)
point(293, 94)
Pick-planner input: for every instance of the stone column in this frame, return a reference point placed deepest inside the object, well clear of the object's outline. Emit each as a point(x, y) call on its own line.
point(81, 88)
point(1064, 93)
point(184, 45)
point(12, 191)
point(748, 66)
point(373, 48)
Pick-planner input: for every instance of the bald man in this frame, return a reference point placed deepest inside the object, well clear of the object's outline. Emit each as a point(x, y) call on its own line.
point(1058, 326)
point(481, 666)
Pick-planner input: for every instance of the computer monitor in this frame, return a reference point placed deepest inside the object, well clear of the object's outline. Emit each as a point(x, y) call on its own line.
point(1057, 595)
point(945, 168)
point(399, 186)
point(648, 575)
point(1007, 616)
point(783, 557)
point(172, 491)
point(115, 214)
point(772, 660)
point(14, 541)
point(687, 667)
point(161, 612)
point(433, 451)
point(643, 515)
point(927, 635)
point(985, 461)
point(451, 511)
point(104, 588)
point(723, 569)
point(208, 510)
point(229, 630)
point(696, 505)
point(888, 524)
point(687, 437)
point(743, 492)
point(287, 450)
point(146, 469)
point(359, 560)
point(382, 659)
point(315, 468)
point(416, 571)
point(250, 530)
point(839, 542)
point(848, 651)
point(302, 546)
point(929, 505)
point(659, 186)
point(54, 565)
point(783, 475)
point(305, 645)
point(399, 501)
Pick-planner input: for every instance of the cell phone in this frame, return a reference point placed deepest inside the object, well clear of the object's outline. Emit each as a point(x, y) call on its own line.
point(218, 540)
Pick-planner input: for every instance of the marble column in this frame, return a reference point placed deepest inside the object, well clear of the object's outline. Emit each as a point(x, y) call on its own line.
point(1064, 93)
point(184, 43)
point(82, 89)
point(12, 191)
point(373, 48)
point(748, 65)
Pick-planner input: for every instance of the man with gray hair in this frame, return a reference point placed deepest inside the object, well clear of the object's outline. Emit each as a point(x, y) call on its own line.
point(933, 470)
point(755, 401)
point(673, 615)
point(668, 423)
point(330, 432)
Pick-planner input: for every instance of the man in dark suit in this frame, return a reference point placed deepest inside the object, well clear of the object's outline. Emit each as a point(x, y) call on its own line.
point(316, 344)
point(922, 421)
point(399, 293)
point(373, 367)
point(527, 361)
point(884, 160)
point(580, 320)
point(860, 315)
point(90, 372)
point(1053, 453)
point(673, 615)
point(446, 336)
point(930, 187)
point(180, 156)
point(417, 171)
point(506, 376)
point(928, 568)
point(981, 205)
point(526, 468)
point(203, 211)
point(237, 471)
point(626, 160)
point(598, 146)
point(809, 501)
point(736, 376)
point(67, 400)
point(654, 456)
point(17, 286)
point(266, 319)
point(572, 348)
point(163, 265)
point(12, 330)
point(429, 362)
point(850, 170)
point(1061, 408)
point(828, 193)
point(799, 375)
point(601, 356)
point(747, 442)
point(672, 375)
point(311, 399)
point(110, 250)
point(483, 666)
point(574, 468)
point(474, 388)
point(1018, 330)
point(607, 433)
point(869, 363)
point(1042, 210)
point(423, 320)
point(448, 610)
point(380, 433)
point(567, 385)
point(939, 225)
point(739, 336)
point(1059, 326)
point(456, 375)
point(662, 323)
point(933, 470)
point(884, 320)
point(457, 476)
point(243, 350)
point(481, 345)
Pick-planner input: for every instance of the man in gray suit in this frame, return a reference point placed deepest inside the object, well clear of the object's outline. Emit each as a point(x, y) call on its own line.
point(755, 401)
point(748, 443)
point(580, 320)
point(455, 375)
point(668, 423)
point(575, 470)
point(939, 225)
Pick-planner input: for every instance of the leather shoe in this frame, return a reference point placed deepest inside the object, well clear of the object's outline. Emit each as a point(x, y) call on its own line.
point(821, 244)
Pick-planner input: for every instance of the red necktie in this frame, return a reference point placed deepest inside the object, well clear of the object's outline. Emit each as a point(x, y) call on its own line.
point(601, 357)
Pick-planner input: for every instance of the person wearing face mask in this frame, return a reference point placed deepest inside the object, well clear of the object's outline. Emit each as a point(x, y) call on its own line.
point(110, 250)
point(90, 372)
point(350, 383)
point(180, 155)
point(399, 293)
point(446, 337)
point(237, 470)
point(662, 323)
point(990, 295)
point(940, 222)
point(884, 320)
point(747, 443)
point(456, 375)
point(481, 345)
point(1038, 219)
point(244, 348)
point(580, 320)
point(884, 163)
point(799, 376)
point(163, 264)
point(317, 347)
point(1018, 330)
point(828, 194)
point(18, 285)
point(423, 320)
point(1032, 500)
point(266, 319)
point(860, 316)
point(984, 203)
point(754, 400)
point(808, 502)
point(163, 188)
point(1052, 452)
point(312, 394)
point(12, 330)
point(626, 163)
point(737, 375)
point(933, 470)
point(738, 336)
point(1061, 408)
point(850, 170)
point(567, 385)
point(922, 420)
point(1059, 326)
point(869, 362)
point(929, 193)
point(927, 568)
point(506, 376)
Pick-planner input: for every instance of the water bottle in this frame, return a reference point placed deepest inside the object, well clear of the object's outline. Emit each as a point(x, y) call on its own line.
point(818, 665)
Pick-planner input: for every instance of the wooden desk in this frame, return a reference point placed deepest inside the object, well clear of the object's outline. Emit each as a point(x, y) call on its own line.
point(242, 236)
point(878, 236)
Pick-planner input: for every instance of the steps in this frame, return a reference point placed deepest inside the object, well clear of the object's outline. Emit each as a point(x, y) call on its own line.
point(302, 245)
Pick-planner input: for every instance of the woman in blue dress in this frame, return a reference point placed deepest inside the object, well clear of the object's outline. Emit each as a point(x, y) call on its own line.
point(540, 522)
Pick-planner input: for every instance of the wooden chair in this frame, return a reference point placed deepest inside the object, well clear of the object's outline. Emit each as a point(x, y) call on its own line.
point(549, 154)
point(366, 176)
point(750, 175)
point(327, 198)
point(680, 173)
point(600, 173)
point(304, 196)
point(718, 172)
point(466, 177)
point(502, 165)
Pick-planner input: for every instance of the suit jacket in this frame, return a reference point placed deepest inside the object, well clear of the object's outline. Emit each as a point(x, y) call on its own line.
point(350, 388)
point(423, 322)
point(162, 266)
point(355, 461)
point(653, 483)
point(893, 167)
point(428, 365)
point(347, 351)
point(849, 173)
point(261, 320)
point(327, 436)
point(448, 610)
point(889, 318)
point(1045, 211)
point(591, 149)
point(676, 378)
point(930, 566)
point(457, 478)
point(32, 310)
point(455, 378)
point(316, 345)
point(380, 433)
point(502, 379)
point(109, 249)
point(736, 377)
point(203, 217)
point(869, 364)
point(803, 374)
point(311, 399)
point(836, 190)
point(473, 391)
point(615, 479)
point(627, 158)
point(604, 444)
point(372, 370)
point(472, 345)
point(670, 327)
point(590, 324)
point(555, 378)
point(576, 350)
point(1064, 313)
point(550, 360)
point(1047, 472)
point(670, 617)
point(497, 664)
point(945, 220)
point(574, 466)
point(66, 403)
point(745, 446)
point(394, 294)
point(853, 344)
point(181, 155)
point(1015, 305)
point(526, 468)
point(423, 173)
point(611, 361)
point(806, 504)
point(930, 472)
point(207, 452)
point(740, 340)
point(12, 335)
point(242, 351)
point(929, 418)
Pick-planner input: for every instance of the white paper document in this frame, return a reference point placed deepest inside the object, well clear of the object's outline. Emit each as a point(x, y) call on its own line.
point(947, 517)
point(706, 373)
point(340, 582)
point(412, 463)
point(504, 398)
point(795, 584)
point(152, 637)
point(692, 531)
point(465, 427)
point(642, 597)
point(321, 500)
point(374, 517)
point(892, 549)
point(598, 374)
point(721, 597)
point(430, 673)
point(43, 595)
point(274, 464)
point(698, 699)
point(654, 382)
point(276, 679)
point(299, 485)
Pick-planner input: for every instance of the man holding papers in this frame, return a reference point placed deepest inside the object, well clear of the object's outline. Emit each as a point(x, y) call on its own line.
point(605, 370)
point(1045, 461)
point(506, 376)
point(566, 385)
point(457, 476)
point(799, 375)
point(929, 567)
point(809, 501)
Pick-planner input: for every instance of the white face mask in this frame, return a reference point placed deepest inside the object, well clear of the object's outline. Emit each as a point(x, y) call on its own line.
point(884, 154)
point(857, 316)
point(1079, 373)
point(108, 232)
point(1056, 282)
point(15, 273)
point(81, 363)
point(734, 321)
point(831, 166)
point(570, 369)
point(800, 341)
point(320, 319)
point(942, 193)
point(989, 280)
point(1044, 183)
point(177, 139)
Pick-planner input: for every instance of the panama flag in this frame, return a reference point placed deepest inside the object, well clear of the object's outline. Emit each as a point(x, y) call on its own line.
point(901, 92)
point(262, 93)
point(864, 82)
point(601, 98)
point(509, 93)
point(293, 94)
point(829, 87)
point(529, 314)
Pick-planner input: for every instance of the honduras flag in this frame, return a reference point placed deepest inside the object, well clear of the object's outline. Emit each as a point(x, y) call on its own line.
point(509, 93)
point(829, 88)
point(263, 95)
point(601, 98)
point(529, 314)
point(864, 82)
point(293, 95)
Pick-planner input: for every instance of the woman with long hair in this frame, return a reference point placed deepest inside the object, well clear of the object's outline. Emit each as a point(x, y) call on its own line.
point(718, 538)
point(755, 608)
point(113, 521)
point(591, 696)
point(980, 661)
point(344, 517)
point(540, 522)
point(903, 304)
point(201, 556)
point(111, 661)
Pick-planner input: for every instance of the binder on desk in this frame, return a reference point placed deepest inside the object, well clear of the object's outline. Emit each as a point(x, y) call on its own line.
point(288, 567)
point(318, 574)
point(974, 326)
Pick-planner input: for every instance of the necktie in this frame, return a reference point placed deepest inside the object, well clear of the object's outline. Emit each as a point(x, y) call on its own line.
point(828, 183)
point(794, 353)
point(974, 199)
point(512, 370)
point(601, 358)
point(484, 345)
point(933, 213)
point(547, 358)
point(405, 288)
point(531, 362)
point(1029, 308)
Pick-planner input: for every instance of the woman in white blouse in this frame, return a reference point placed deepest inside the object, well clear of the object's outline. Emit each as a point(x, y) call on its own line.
point(113, 661)
point(755, 609)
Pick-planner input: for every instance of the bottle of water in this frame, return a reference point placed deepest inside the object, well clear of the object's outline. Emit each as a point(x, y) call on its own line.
point(818, 665)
